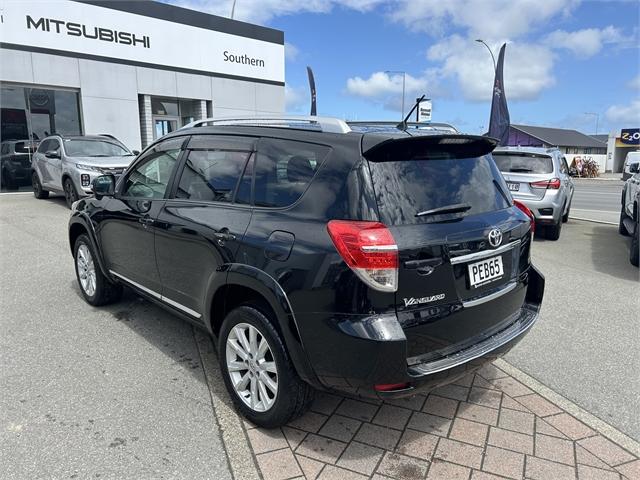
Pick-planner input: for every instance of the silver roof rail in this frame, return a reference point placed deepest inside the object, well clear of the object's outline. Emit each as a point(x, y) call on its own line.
point(325, 124)
point(381, 124)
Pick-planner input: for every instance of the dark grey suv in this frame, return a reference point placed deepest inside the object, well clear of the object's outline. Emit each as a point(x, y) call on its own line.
point(378, 264)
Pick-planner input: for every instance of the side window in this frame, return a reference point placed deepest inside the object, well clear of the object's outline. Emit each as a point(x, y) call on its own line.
point(284, 170)
point(563, 165)
point(53, 145)
point(211, 175)
point(44, 146)
point(150, 178)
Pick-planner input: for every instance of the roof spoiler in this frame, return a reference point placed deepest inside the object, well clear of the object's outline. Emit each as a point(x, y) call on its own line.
point(462, 146)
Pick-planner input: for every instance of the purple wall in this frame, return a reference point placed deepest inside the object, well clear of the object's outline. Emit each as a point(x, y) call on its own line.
point(516, 137)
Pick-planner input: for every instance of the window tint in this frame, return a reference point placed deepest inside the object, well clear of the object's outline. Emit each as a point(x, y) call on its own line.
point(53, 144)
point(44, 146)
point(405, 188)
point(150, 178)
point(528, 163)
point(284, 169)
point(211, 175)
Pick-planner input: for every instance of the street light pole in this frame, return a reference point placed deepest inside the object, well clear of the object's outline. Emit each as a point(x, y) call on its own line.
point(597, 115)
point(404, 78)
point(479, 40)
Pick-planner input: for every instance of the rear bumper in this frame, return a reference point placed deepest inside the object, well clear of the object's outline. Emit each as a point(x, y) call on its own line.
point(372, 350)
point(548, 209)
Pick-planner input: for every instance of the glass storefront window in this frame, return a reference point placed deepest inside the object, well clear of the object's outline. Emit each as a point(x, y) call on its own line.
point(164, 106)
point(33, 113)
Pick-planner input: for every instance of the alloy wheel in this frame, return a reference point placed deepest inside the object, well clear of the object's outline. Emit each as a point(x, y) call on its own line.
point(69, 192)
point(251, 367)
point(86, 270)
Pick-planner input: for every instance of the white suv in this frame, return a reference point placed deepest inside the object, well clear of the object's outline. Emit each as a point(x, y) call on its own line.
point(629, 215)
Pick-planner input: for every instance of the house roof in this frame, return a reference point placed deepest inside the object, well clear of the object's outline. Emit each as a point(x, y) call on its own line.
point(560, 137)
point(604, 138)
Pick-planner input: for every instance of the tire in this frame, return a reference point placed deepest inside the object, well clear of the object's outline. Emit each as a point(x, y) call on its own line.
point(70, 194)
point(95, 287)
point(565, 217)
point(622, 230)
point(292, 396)
point(634, 253)
point(552, 232)
point(38, 191)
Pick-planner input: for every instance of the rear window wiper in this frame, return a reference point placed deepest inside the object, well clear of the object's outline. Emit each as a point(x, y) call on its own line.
point(455, 208)
point(524, 170)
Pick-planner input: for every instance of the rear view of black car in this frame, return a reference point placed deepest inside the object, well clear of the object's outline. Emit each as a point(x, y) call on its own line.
point(375, 263)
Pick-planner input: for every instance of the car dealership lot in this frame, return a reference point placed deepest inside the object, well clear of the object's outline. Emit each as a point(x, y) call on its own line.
point(121, 392)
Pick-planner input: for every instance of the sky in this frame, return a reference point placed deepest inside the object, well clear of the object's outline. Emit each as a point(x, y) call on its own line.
point(568, 63)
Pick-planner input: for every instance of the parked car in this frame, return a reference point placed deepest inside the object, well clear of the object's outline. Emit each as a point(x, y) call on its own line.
point(539, 178)
point(632, 158)
point(377, 264)
point(629, 214)
point(68, 164)
point(15, 163)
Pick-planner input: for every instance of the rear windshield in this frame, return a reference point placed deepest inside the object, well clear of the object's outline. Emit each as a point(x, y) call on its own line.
point(524, 163)
point(406, 188)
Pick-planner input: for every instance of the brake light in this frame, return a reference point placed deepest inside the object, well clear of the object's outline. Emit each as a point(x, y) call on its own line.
point(554, 184)
point(389, 387)
point(368, 248)
point(528, 213)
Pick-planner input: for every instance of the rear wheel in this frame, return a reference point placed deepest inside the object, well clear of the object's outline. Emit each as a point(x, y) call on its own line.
point(95, 287)
point(70, 194)
point(38, 191)
point(552, 232)
point(565, 217)
point(257, 370)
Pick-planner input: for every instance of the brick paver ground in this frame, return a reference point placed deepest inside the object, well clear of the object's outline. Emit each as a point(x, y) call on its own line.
point(487, 426)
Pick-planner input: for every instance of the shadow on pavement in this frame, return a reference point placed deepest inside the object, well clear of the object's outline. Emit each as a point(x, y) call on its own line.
point(610, 253)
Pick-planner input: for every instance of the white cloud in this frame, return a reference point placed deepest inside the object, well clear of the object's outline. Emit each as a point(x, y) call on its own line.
point(291, 52)
point(262, 11)
point(482, 18)
point(528, 67)
point(386, 89)
point(634, 83)
point(586, 42)
point(628, 114)
point(295, 99)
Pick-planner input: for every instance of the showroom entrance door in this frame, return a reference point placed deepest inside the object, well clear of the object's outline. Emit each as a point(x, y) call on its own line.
point(163, 125)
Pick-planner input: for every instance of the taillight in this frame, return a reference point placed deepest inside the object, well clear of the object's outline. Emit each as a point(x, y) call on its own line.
point(554, 184)
point(390, 387)
point(368, 248)
point(528, 213)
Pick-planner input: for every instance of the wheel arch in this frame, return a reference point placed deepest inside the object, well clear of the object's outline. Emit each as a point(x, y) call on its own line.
point(79, 225)
point(251, 286)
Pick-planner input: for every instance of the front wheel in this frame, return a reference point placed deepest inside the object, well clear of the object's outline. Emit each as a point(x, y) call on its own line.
point(634, 253)
point(565, 217)
point(622, 230)
point(95, 287)
point(257, 370)
point(38, 191)
point(70, 194)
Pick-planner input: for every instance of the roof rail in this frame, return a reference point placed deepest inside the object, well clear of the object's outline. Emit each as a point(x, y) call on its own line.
point(388, 123)
point(325, 124)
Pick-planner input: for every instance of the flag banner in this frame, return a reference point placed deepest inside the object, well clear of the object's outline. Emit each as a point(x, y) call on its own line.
point(312, 87)
point(499, 121)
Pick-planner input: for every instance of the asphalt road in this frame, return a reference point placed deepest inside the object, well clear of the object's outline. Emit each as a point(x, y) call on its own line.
point(597, 199)
point(585, 344)
point(116, 392)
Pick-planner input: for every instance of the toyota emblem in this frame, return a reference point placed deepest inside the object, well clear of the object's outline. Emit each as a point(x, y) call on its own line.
point(495, 237)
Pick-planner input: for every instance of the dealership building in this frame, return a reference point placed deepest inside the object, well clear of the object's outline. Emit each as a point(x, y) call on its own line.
point(136, 70)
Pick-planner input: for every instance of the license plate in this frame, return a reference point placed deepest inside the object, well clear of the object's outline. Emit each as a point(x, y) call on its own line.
point(481, 273)
point(513, 187)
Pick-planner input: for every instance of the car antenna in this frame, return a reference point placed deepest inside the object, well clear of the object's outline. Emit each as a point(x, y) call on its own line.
point(403, 124)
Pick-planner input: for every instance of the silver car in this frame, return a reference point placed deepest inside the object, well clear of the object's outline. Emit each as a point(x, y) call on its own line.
point(69, 164)
point(539, 178)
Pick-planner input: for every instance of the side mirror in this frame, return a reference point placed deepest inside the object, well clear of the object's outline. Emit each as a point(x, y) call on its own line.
point(52, 154)
point(634, 168)
point(135, 152)
point(103, 186)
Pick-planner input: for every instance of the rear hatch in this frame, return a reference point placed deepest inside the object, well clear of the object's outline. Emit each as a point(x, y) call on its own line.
point(441, 197)
point(522, 169)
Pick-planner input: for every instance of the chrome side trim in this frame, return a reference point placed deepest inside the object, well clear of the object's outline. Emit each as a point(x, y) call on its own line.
point(525, 322)
point(173, 303)
point(492, 296)
point(485, 253)
point(379, 248)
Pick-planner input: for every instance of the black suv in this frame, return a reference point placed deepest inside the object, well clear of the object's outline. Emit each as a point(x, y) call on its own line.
point(379, 263)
